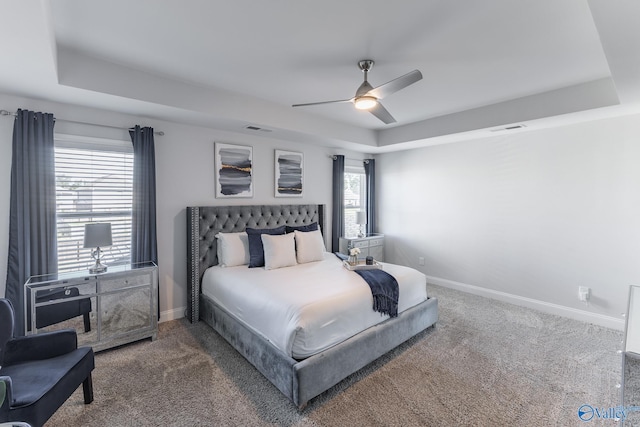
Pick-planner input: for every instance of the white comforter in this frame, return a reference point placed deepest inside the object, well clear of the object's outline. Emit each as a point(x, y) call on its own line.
point(307, 308)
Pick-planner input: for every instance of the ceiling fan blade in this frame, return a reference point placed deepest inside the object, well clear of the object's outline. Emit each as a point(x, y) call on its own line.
point(323, 102)
point(380, 112)
point(395, 84)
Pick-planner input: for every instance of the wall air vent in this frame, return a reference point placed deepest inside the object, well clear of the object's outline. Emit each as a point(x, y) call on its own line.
point(257, 128)
point(510, 127)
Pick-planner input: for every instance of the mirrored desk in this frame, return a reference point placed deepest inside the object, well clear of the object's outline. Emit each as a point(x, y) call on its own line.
point(106, 310)
point(630, 385)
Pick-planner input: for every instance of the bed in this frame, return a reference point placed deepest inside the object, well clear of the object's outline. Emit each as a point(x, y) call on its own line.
point(300, 373)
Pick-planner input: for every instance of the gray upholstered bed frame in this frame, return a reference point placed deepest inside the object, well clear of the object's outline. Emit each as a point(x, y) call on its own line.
point(299, 380)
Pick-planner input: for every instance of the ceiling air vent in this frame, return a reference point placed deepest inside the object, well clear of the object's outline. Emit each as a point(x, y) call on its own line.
point(510, 127)
point(257, 128)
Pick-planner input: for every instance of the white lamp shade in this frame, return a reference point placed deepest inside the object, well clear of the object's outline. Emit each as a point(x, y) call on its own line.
point(361, 217)
point(97, 234)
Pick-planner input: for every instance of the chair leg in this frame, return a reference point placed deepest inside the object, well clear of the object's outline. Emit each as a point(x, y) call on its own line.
point(87, 323)
point(87, 388)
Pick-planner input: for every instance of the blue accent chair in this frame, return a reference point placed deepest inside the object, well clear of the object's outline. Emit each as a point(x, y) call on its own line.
point(40, 371)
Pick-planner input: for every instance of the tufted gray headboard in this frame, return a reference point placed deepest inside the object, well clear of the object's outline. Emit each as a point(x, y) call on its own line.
point(204, 222)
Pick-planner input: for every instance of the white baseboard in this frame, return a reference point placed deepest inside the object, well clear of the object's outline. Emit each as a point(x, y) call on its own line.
point(547, 307)
point(174, 314)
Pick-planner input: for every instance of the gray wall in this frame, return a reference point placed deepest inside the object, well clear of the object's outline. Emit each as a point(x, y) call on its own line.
point(524, 217)
point(185, 177)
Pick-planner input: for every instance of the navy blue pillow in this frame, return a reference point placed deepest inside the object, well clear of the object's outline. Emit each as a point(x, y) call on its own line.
point(307, 227)
point(256, 250)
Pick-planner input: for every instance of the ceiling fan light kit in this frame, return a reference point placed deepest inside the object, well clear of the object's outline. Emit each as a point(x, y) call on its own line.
point(365, 102)
point(368, 98)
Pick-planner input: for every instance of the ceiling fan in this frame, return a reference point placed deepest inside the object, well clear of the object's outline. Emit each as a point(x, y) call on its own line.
point(368, 98)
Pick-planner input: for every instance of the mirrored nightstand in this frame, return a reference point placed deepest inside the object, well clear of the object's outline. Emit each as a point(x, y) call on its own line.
point(107, 309)
point(370, 245)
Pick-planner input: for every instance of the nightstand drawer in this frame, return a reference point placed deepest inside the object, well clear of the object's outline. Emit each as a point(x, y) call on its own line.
point(376, 242)
point(360, 243)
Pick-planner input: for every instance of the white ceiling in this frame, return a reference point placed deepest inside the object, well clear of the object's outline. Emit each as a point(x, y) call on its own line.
point(228, 64)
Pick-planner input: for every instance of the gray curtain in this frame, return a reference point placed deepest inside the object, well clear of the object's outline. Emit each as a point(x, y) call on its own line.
point(32, 220)
point(337, 212)
point(370, 182)
point(144, 244)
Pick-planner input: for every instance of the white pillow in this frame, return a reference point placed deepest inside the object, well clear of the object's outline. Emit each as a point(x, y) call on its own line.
point(309, 246)
point(233, 249)
point(279, 250)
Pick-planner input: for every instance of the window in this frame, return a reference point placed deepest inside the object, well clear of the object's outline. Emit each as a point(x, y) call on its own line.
point(94, 183)
point(355, 197)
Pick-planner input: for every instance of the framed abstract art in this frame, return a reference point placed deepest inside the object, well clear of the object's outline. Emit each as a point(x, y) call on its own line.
point(289, 174)
point(234, 170)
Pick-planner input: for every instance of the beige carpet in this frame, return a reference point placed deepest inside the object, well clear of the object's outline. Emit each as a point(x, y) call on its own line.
point(486, 363)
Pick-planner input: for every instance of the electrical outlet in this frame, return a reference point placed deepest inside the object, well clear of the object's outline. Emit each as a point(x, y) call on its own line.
point(421, 260)
point(584, 293)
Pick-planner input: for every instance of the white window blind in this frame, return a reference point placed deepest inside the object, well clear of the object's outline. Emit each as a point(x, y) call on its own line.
point(354, 195)
point(94, 182)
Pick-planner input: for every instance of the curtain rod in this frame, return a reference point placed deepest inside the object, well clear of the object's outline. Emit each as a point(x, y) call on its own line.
point(9, 113)
point(333, 157)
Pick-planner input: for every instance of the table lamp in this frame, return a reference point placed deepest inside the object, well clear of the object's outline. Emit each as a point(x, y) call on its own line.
point(361, 219)
point(97, 234)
